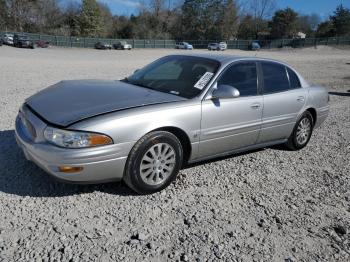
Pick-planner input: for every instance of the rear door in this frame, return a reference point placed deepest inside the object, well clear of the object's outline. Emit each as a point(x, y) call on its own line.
point(284, 98)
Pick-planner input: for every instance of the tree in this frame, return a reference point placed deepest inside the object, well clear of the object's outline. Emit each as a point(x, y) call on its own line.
point(341, 21)
point(48, 16)
point(246, 29)
point(157, 6)
point(284, 23)
point(3, 14)
point(71, 23)
point(205, 19)
point(325, 29)
point(261, 10)
point(229, 24)
point(107, 20)
point(20, 14)
point(90, 19)
point(308, 23)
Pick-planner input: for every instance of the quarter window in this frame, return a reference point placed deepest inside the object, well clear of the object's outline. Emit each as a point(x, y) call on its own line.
point(242, 76)
point(293, 79)
point(275, 77)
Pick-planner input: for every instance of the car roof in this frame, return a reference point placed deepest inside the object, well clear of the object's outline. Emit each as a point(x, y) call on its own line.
point(226, 59)
point(223, 59)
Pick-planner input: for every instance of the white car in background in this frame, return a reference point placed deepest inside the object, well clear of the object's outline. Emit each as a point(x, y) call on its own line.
point(184, 45)
point(222, 46)
point(122, 45)
point(7, 39)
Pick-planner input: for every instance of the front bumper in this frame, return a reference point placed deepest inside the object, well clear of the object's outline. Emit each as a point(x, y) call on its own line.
point(100, 164)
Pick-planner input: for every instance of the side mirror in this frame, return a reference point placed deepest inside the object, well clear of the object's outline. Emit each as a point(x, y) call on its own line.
point(225, 91)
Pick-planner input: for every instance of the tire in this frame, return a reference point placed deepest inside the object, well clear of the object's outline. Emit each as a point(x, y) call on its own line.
point(302, 132)
point(145, 164)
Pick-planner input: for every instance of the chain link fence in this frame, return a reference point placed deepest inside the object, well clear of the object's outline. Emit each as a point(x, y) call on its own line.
point(84, 42)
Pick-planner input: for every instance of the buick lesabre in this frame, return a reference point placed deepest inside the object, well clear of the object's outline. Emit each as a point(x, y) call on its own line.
point(179, 109)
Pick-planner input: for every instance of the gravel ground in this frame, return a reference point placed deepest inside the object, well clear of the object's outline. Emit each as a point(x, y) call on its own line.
point(266, 205)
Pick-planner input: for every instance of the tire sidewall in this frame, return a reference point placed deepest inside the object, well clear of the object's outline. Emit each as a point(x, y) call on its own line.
point(134, 161)
point(294, 138)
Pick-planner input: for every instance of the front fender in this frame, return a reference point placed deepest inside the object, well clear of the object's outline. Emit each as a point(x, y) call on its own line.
point(132, 124)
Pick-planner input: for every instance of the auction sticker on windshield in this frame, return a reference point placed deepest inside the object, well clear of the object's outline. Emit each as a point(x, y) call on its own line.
point(204, 80)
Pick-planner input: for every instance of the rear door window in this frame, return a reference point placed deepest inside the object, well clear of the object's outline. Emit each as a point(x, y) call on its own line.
point(293, 79)
point(275, 77)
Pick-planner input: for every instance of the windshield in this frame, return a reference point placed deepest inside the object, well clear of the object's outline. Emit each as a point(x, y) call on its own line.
point(185, 76)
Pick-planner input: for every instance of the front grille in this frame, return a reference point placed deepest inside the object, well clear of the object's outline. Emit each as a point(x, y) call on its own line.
point(29, 128)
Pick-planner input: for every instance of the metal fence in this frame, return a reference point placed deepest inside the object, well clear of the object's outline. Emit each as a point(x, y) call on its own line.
point(84, 42)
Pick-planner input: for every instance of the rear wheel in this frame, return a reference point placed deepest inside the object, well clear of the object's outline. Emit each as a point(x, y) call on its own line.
point(301, 133)
point(154, 162)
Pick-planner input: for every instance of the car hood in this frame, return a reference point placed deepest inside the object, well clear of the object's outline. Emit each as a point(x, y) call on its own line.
point(68, 102)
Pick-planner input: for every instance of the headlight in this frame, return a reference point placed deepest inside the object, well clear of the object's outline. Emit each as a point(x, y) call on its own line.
point(75, 139)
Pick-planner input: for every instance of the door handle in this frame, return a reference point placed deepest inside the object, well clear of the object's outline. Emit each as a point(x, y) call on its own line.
point(255, 106)
point(301, 99)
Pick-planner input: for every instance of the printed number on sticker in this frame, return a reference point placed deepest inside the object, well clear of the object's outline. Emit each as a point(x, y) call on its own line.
point(204, 80)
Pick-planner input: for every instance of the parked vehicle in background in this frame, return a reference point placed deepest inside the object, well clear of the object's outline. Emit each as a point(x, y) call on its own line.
point(222, 46)
point(122, 45)
point(43, 44)
point(22, 41)
point(102, 46)
point(178, 109)
point(0, 42)
point(254, 46)
point(183, 45)
point(7, 39)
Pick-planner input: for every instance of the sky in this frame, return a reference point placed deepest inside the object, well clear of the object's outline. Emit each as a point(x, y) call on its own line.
point(321, 7)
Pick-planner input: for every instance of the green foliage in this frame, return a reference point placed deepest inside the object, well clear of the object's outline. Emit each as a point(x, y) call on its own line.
point(246, 29)
point(90, 19)
point(341, 21)
point(220, 20)
point(208, 19)
point(284, 23)
point(337, 25)
point(3, 14)
point(325, 29)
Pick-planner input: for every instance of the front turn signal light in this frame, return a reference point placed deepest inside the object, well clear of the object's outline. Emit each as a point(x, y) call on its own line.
point(70, 169)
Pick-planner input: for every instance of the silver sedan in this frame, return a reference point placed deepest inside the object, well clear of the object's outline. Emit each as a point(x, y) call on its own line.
point(179, 109)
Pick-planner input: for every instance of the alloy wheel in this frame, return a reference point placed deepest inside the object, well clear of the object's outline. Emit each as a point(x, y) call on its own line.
point(157, 164)
point(303, 131)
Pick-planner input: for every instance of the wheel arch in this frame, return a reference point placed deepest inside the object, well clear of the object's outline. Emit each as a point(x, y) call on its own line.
point(313, 112)
point(183, 138)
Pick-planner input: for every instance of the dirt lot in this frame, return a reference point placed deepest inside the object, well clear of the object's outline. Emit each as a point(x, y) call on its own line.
point(267, 205)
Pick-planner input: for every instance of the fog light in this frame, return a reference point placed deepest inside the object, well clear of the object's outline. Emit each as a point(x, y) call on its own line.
point(70, 169)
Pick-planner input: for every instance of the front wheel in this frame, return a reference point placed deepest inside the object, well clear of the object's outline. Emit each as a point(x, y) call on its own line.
point(301, 133)
point(153, 162)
